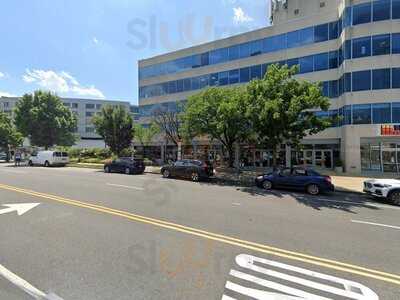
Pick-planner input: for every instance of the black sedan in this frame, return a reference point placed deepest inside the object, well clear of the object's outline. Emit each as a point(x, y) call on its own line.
point(125, 165)
point(196, 170)
point(296, 178)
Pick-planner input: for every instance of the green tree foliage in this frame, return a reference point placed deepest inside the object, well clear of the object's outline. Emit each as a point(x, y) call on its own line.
point(280, 106)
point(145, 135)
point(114, 124)
point(44, 119)
point(9, 136)
point(218, 113)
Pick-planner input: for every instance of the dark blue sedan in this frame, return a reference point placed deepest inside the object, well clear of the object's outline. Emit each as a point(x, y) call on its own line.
point(296, 178)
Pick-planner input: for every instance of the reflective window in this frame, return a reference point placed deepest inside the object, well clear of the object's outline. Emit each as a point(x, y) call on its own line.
point(395, 9)
point(256, 48)
point(172, 87)
point(396, 43)
point(362, 47)
point(347, 19)
point(187, 84)
point(223, 78)
point(195, 83)
point(292, 62)
point(321, 61)
point(234, 77)
point(306, 36)
point(255, 72)
point(333, 30)
point(362, 13)
point(245, 75)
point(219, 56)
point(325, 88)
point(361, 81)
point(293, 39)
point(341, 85)
point(362, 114)
point(274, 43)
point(347, 49)
point(381, 10)
point(381, 44)
point(333, 60)
point(321, 33)
point(396, 78)
point(234, 52)
point(205, 59)
point(306, 64)
point(203, 81)
point(347, 115)
point(179, 86)
point(381, 113)
point(381, 79)
point(333, 89)
point(214, 79)
point(396, 112)
point(244, 50)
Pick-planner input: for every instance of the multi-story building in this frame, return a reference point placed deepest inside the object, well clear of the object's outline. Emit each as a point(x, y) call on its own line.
point(352, 46)
point(84, 109)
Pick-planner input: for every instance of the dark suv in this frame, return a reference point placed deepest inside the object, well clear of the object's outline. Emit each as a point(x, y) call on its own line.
point(194, 169)
point(125, 165)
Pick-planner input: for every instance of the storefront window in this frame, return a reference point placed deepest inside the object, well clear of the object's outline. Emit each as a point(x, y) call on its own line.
point(362, 114)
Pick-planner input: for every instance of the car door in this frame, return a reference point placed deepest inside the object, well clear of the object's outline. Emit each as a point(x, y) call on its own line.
point(178, 168)
point(299, 178)
point(284, 178)
point(116, 165)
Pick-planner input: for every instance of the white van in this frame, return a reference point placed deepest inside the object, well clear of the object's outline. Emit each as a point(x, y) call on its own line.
point(49, 158)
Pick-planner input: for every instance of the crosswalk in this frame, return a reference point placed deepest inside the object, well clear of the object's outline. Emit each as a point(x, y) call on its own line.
point(263, 279)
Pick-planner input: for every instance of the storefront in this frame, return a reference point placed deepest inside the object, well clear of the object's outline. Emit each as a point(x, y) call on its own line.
point(380, 155)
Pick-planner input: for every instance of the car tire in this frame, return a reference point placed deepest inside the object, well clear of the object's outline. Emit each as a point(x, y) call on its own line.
point(313, 189)
point(30, 163)
point(107, 169)
point(394, 197)
point(267, 185)
point(46, 164)
point(195, 177)
point(127, 171)
point(166, 174)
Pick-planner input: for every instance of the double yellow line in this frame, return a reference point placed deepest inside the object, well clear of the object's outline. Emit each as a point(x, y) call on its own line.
point(321, 262)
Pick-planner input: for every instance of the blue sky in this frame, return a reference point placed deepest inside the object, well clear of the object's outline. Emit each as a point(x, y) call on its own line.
point(90, 48)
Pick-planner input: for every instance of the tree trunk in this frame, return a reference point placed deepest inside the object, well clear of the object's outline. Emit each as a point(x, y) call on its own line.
point(274, 159)
point(231, 156)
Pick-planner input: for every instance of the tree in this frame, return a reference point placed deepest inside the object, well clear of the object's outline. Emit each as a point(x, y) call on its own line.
point(218, 113)
point(44, 119)
point(144, 135)
point(9, 136)
point(114, 124)
point(280, 108)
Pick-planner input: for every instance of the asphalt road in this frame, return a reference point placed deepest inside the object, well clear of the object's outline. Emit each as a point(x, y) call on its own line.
point(112, 236)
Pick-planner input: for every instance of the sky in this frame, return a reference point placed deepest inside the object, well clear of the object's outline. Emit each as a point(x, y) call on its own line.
point(90, 48)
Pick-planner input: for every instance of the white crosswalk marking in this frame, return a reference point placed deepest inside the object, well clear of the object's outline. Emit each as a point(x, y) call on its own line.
point(282, 290)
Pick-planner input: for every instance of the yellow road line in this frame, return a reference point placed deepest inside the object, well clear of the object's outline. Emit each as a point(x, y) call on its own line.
point(322, 262)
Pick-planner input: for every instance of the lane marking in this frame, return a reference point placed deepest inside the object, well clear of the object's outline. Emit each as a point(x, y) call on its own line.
point(349, 289)
point(376, 224)
point(13, 171)
point(369, 204)
point(126, 186)
point(236, 204)
point(24, 285)
point(291, 255)
point(19, 208)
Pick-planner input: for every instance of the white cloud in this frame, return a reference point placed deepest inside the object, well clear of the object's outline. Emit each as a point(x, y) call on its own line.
point(95, 40)
point(5, 94)
point(239, 16)
point(2, 75)
point(60, 82)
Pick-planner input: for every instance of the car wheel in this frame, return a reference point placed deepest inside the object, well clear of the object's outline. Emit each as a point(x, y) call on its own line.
point(127, 171)
point(313, 189)
point(267, 185)
point(46, 164)
point(30, 163)
point(395, 198)
point(195, 177)
point(166, 174)
point(107, 169)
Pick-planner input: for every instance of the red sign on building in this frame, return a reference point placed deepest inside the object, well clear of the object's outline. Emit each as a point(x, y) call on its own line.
point(390, 130)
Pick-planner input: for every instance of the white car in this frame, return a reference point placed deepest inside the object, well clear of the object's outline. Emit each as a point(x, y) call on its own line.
point(384, 188)
point(49, 158)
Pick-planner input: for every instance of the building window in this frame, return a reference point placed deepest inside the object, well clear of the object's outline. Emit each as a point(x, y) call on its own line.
point(362, 47)
point(244, 50)
point(223, 78)
point(321, 33)
point(195, 83)
point(205, 59)
point(381, 10)
point(219, 56)
point(89, 106)
point(362, 13)
point(361, 81)
point(347, 49)
point(214, 79)
point(396, 112)
point(179, 86)
point(347, 19)
point(333, 89)
point(244, 75)
point(333, 60)
point(306, 36)
point(381, 113)
point(234, 77)
point(171, 87)
point(396, 43)
point(325, 88)
point(293, 39)
point(347, 82)
point(333, 30)
point(395, 9)
point(255, 72)
point(90, 130)
point(234, 52)
point(187, 84)
point(381, 79)
point(321, 61)
point(396, 78)
point(362, 114)
point(306, 64)
point(89, 114)
point(381, 44)
point(347, 115)
point(292, 62)
point(98, 106)
point(74, 105)
point(256, 48)
point(203, 81)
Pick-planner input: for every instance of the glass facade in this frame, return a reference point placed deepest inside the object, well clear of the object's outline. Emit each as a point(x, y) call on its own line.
point(375, 11)
point(380, 156)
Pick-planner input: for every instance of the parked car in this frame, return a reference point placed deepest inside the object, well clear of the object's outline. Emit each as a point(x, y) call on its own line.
point(48, 158)
point(3, 156)
point(196, 170)
point(296, 178)
point(125, 165)
point(384, 188)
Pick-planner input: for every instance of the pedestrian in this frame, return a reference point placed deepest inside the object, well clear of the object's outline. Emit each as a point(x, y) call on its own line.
point(17, 158)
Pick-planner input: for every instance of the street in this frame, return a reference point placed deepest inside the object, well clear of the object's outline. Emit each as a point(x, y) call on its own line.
point(89, 235)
